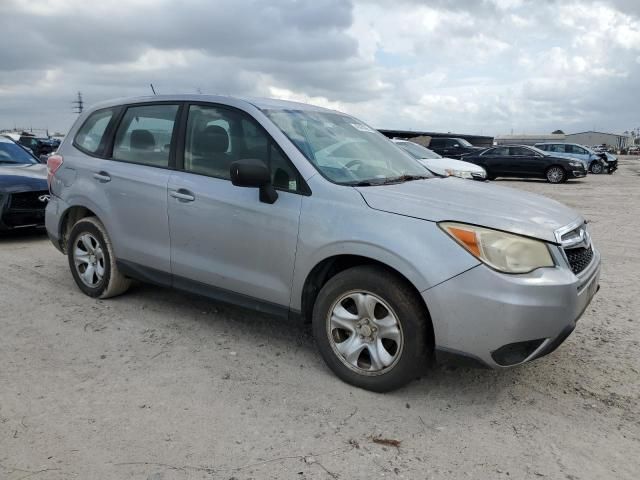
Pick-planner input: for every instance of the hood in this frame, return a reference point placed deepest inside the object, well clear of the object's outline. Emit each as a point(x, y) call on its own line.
point(439, 165)
point(478, 203)
point(20, 178)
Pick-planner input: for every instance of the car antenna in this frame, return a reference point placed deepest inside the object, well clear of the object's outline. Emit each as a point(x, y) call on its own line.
point(153, 89)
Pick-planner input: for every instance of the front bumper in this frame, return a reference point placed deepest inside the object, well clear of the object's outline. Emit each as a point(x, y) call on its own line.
point(576, 173)
point(500, 320)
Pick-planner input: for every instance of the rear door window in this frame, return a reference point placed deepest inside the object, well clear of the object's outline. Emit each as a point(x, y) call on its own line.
point(90, 138)
point(144, 135)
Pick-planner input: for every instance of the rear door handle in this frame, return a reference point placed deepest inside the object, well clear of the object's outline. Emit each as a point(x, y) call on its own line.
point(102, 177)
point(183, 195)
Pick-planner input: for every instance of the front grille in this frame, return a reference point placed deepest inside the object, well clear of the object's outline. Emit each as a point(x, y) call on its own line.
point(28, 200)
point(579, 258)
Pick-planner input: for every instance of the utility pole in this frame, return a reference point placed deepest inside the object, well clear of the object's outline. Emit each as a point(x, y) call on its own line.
point(78, 104)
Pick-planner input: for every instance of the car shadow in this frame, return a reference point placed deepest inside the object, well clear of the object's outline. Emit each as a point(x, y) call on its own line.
point(537, 180)
point(468, 385)
point(23, 234)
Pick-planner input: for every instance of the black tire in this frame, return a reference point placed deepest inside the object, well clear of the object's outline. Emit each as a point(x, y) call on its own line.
point(596, 168)
point(555, 174)
point(411, 359)
point(112, 282)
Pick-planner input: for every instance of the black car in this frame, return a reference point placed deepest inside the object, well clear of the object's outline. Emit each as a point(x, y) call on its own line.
point(452, 147)
point(39, 145)
point(24, 192)
point(527, 162)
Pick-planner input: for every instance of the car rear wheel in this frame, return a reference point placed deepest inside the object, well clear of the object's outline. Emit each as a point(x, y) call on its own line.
point(556, 174)
point(92, 261)
point(596, 167)
point(372, 329)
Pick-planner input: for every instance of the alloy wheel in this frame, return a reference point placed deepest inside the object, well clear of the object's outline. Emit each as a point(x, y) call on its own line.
point(88, 257)
point(555, 175)
point(364, 333)
point(596, 168)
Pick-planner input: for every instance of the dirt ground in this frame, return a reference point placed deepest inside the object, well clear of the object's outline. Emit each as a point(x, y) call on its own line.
point(160, 385)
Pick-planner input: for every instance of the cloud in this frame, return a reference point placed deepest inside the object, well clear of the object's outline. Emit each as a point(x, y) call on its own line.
point(479, 66)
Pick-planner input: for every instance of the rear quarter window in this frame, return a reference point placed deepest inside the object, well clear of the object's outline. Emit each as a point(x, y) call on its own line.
point(90, 137)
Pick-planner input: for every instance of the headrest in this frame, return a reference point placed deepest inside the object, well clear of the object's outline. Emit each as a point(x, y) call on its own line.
point(142, 140)
point(213, 139)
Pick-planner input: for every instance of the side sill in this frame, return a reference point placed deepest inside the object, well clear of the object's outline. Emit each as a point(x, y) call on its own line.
point(164, 279)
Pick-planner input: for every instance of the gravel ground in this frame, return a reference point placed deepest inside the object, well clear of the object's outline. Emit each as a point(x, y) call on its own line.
point(161, 385)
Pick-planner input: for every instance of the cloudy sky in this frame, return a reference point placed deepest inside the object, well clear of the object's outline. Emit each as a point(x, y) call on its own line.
point(471, 66)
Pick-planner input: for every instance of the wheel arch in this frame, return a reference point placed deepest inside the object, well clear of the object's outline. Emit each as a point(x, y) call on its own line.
point(69, 218)
point(324, 270)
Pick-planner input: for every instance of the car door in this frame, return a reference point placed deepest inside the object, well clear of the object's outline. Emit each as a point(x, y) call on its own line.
point(524, 162)
point(495, 161)
point(225, 242)
point(129, 180)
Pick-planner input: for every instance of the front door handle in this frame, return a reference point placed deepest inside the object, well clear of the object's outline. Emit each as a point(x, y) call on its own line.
point(183, 195)
point(102, 177)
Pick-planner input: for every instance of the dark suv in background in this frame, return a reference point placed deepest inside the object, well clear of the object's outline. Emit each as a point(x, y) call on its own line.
point(452, 147)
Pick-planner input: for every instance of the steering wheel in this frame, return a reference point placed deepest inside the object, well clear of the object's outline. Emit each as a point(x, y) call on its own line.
point(353, 163)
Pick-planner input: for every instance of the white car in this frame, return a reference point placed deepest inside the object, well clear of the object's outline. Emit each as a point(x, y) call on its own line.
point(441, 166)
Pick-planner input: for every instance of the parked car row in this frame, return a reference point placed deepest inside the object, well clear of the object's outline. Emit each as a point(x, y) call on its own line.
point(36, 145)
point(308, 213)
point(555, 162)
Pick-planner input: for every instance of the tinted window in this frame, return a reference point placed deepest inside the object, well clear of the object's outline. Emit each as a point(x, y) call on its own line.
point(13, 153)
point(89, 137)
point(498, 152)
point(436, 142)
point(144, 135)
point(519, 151)
point(218, 136)
point(558, 148)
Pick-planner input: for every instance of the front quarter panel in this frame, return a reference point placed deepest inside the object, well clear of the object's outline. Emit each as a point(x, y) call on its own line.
point(335, 220)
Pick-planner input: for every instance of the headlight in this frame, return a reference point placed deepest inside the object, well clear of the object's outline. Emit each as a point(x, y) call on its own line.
point(576, 164)
point(502, 251)
point(458, 173)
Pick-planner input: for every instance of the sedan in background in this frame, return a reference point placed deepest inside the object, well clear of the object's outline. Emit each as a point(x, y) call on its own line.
point(23, 188)
point(441, 166)
point(527, 162)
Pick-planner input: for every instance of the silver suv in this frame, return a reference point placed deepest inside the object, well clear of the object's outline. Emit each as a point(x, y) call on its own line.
point(305, 212)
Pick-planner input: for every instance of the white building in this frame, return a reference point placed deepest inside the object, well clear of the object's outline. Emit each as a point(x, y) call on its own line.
point(598, 138)
point(527, 139)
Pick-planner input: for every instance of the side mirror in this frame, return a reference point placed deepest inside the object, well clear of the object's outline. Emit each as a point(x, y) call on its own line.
point(456, 145)
point(253, 173)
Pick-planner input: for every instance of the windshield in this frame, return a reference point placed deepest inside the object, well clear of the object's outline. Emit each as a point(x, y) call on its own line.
point(12, 153)
point(417, 151)
point(540, 152)
point(344, 150)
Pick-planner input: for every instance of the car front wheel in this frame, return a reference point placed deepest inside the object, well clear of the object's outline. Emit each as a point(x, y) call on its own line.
point(596, 168)
point(556, 175)
point(92, 260)
point(372, 329)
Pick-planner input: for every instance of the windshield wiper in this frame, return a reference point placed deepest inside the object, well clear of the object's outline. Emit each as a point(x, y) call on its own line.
point(372, 182)
point(404, 178)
